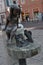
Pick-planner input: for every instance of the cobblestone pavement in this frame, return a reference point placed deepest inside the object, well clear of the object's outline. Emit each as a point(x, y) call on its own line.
point(3, 53)
point(33, 24)
point(36, 60)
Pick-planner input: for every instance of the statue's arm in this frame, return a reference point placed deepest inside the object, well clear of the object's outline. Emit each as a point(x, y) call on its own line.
point(7, 23)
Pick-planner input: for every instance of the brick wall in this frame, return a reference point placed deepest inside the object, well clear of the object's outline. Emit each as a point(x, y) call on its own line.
point(31, 6)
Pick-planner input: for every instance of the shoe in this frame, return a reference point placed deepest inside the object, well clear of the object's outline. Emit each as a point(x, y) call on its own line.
point(28, 34)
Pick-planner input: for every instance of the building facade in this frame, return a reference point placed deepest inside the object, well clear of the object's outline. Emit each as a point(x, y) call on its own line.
point(31, 8)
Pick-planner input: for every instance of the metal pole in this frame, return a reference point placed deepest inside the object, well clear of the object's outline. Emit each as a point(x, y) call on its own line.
point(22, 61)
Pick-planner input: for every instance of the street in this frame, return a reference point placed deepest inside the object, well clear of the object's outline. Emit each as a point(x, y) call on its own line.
point(37, 34)
point(33, 24)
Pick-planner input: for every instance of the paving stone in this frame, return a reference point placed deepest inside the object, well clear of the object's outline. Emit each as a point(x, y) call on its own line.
point(36, 60)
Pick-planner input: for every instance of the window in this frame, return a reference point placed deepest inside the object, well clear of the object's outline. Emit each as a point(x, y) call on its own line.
point(22, 1)
point(9, 2)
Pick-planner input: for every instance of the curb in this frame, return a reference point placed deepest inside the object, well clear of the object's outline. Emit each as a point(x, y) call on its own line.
point(34, 28)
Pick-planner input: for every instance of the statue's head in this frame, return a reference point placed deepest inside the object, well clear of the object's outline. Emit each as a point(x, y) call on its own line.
point(15, 10)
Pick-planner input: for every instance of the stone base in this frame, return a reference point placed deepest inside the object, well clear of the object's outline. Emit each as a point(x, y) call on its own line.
point(24, 52)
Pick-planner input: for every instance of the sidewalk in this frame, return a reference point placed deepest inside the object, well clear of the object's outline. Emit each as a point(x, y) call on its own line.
point(36, 60)
point(3, 52)
point(32, 24)
point(4, 57)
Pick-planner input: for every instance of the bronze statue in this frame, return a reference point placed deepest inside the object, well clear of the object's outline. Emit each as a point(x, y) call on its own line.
point(22, 45)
